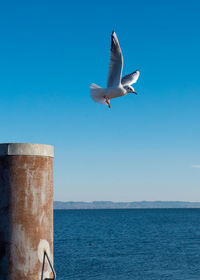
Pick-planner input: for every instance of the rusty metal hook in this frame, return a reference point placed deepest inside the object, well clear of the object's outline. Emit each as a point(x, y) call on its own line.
point(52, 268)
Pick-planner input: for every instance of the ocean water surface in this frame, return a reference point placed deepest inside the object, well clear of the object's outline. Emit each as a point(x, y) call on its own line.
point(120, 244)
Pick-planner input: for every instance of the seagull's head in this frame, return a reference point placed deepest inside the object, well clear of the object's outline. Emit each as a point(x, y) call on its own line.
point(130, 89)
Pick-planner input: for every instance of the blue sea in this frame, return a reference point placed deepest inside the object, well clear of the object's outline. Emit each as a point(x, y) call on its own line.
point(120, 244)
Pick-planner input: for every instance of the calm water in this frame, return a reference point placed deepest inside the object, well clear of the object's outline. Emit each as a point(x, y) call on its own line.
point(127, 244)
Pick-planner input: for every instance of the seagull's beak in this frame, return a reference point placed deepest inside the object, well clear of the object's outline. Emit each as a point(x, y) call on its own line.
point(135, 92)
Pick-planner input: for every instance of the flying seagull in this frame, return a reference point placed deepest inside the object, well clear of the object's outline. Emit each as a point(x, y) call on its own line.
point(116, 86)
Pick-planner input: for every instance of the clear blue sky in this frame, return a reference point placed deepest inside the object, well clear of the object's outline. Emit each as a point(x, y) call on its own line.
point(147, 147)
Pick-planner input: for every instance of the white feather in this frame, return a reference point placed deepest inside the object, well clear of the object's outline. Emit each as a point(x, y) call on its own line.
point(130, 78)
point(116, 63)
point(97, 94)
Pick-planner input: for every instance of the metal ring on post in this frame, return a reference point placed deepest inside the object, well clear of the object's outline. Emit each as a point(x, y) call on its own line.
point(52, 268)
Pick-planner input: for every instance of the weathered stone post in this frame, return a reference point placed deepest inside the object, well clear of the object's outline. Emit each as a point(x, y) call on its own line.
point(26, 211)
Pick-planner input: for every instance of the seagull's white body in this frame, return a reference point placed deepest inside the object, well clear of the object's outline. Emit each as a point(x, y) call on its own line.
point(116, 86)
point(99, 94)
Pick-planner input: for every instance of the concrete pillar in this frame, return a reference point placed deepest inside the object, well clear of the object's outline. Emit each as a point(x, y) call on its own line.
point(26, 211)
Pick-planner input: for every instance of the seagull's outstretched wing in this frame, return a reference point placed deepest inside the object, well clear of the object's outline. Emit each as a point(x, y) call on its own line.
point(130, 79)
point(116, 63)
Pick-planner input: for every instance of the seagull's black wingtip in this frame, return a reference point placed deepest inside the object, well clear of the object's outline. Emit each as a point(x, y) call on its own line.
point(112, 40)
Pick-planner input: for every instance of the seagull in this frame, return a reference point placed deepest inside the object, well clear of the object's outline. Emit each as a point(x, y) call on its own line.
point(116, 86)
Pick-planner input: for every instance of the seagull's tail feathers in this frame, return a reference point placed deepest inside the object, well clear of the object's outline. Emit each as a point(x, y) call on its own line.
point(97, 94)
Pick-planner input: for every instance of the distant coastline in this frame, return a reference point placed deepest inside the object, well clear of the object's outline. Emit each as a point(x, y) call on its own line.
point(124, 205)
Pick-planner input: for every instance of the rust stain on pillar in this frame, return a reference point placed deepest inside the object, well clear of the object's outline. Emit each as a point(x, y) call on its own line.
point(26, 210)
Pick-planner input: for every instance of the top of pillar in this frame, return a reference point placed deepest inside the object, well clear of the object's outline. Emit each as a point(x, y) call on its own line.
point(26, 149)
